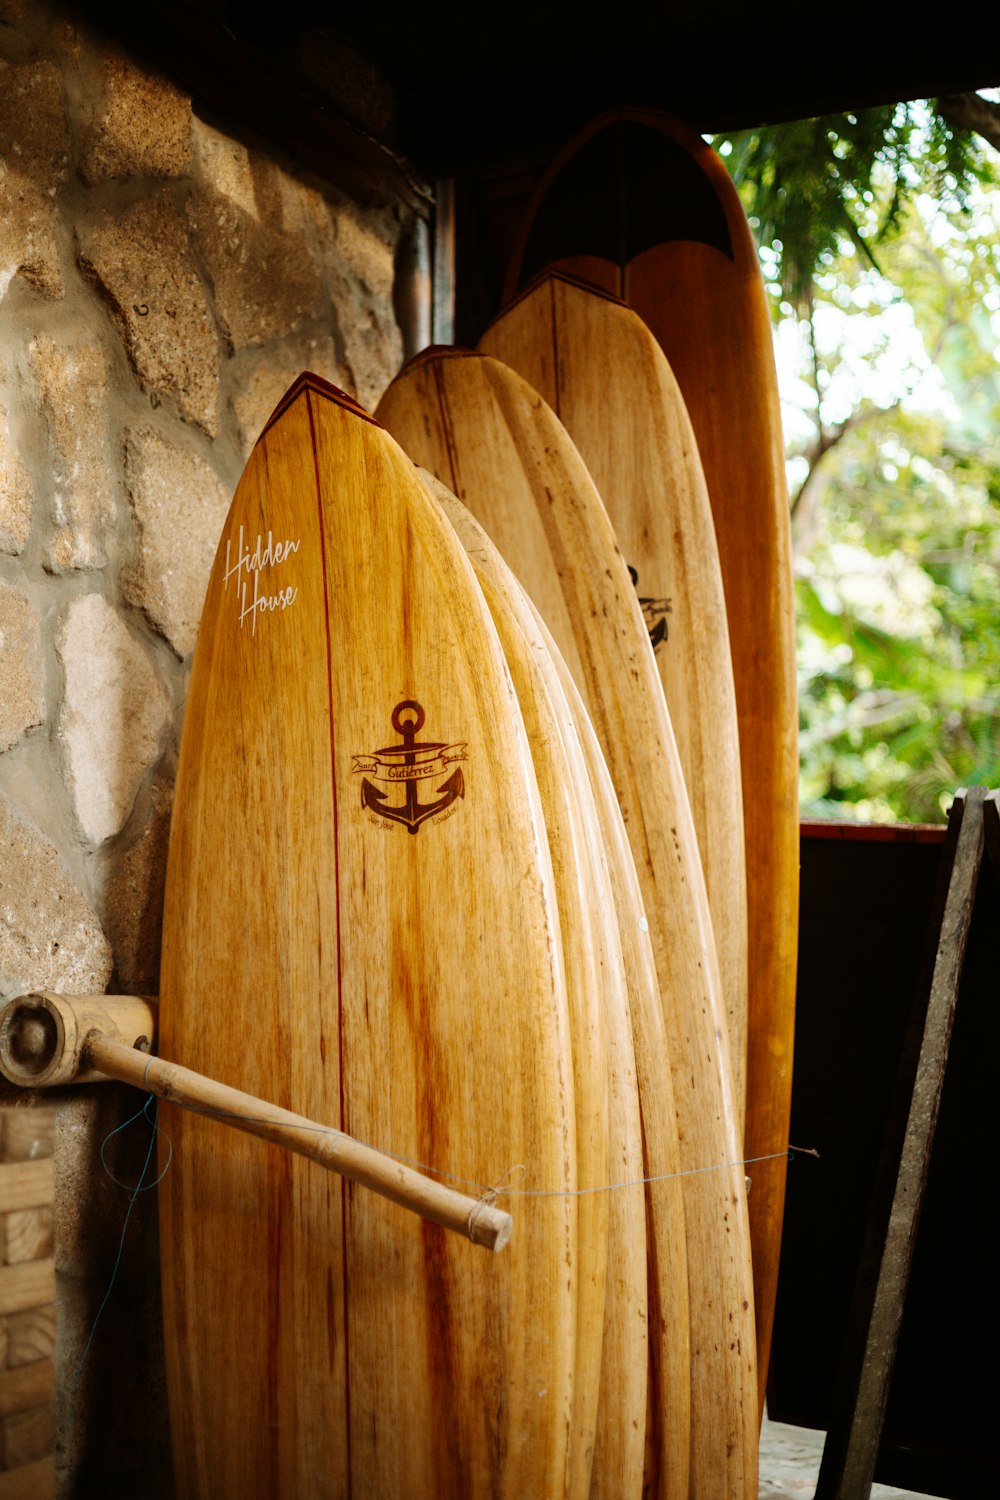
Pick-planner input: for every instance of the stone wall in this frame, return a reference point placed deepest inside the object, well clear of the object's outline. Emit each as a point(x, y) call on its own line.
point(160, 286)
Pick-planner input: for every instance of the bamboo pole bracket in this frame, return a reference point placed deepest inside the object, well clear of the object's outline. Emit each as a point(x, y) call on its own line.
point(49, 1040)
point(43, 1036)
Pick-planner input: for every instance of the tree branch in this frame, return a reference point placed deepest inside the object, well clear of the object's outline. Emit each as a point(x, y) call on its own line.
point(805, 504)
point(972, 112)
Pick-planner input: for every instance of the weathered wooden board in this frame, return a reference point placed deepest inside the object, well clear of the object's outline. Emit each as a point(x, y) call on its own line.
point(625, 413)
point(610, 1454)
point(361, 924)
point(495, 442)
point(640, 205)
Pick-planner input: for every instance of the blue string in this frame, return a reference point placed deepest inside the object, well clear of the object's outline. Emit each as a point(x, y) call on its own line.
point(135, 1191)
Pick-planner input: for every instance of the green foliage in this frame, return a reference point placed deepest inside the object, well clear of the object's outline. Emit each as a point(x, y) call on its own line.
point(899, 631)
point(811, 186)
point(880, 242)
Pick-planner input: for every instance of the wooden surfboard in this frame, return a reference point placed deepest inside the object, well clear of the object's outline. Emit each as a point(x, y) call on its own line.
point(612, 1464)
point(667, 1462)
point(497, 445)
point(626, 416)
point(639, 204)
point(361, 925)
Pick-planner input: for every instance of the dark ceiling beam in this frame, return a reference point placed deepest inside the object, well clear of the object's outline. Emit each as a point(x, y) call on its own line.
point(473, 91)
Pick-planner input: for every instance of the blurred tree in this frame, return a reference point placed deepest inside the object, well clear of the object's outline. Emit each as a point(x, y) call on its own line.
point(880, 242)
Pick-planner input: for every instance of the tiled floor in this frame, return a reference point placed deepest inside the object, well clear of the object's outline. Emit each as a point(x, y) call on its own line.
point(789, 1463)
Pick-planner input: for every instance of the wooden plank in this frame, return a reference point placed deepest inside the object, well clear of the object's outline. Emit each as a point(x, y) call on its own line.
point(29, 1386)
point(35, 1481)
point(851, 1449)
point(25, 1184)
point(30, 1335)
point(604, 375)
point(610, 1458)
point(26, 1286)
point(383, 952)
point(477, 423)
point(27, 1436)
point(28, 1133)
point(27, 1235)
point(639, 204)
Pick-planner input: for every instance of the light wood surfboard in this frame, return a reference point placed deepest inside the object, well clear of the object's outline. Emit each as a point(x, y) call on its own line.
point(667, 1462)
point(361, 925)
point(626, 415)
point(500, 448)
point(639, 204)
point(669, 1404)
point(612, 1466)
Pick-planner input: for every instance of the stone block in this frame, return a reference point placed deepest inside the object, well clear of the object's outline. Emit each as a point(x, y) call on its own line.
point(179, 506)
point(17, 495)
point(141, 127)
point(114, 717)
point(256, 228)
point(143, 263)
point(50, 938)
point(133, 913)
point(359, 262)
point(35, 141)
point(266, 375)
point(72, 381)
point(22, 667)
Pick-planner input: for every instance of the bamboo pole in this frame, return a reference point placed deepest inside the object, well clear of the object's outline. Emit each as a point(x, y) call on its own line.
point(50, 1039)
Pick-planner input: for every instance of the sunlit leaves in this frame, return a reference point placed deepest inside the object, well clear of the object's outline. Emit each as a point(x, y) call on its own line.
point(880, 245)
point(816, 190)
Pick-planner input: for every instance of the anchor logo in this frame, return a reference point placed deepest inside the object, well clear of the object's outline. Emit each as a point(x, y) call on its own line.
point(411, 763)
point(654, 612)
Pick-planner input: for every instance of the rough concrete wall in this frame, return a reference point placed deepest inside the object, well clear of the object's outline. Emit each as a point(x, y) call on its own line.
point(160, 286)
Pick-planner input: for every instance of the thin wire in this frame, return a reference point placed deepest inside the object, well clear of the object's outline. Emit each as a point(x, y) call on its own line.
point(482, 1188)
point(135, 1191)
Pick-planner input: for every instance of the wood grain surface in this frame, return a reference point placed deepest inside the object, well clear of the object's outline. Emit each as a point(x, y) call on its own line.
point(625, 413)
point(27, 1303)
point(493, 440)
point(668, 1420)
point(668, 1414)
point(674, 243)
point(612, 1464)
point(361, 924)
